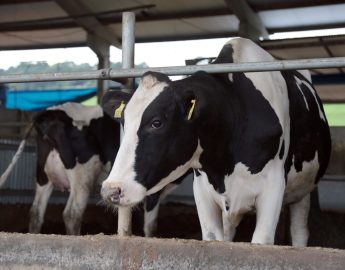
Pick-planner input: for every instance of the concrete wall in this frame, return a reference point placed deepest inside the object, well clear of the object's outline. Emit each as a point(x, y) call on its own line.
point(24, 251)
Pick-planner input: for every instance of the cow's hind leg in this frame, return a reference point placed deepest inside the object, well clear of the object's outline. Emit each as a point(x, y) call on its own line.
point(230, 223)
point(39, 206)
point(74, 210)
point(210, 215)
point(299, 222)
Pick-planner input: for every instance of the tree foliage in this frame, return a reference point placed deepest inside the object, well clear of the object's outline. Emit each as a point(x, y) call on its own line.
point(44, 67)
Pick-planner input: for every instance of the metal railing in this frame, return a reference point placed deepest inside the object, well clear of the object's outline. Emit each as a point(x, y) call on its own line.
point(108, 74)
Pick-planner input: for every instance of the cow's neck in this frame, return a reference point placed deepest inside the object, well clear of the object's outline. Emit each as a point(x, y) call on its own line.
point(217, 132)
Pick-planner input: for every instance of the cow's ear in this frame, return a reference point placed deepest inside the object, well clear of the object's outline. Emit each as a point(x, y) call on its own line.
point(190, 106)
point(114, 103)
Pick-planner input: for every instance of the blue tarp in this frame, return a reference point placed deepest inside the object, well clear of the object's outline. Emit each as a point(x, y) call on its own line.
point(36, 100)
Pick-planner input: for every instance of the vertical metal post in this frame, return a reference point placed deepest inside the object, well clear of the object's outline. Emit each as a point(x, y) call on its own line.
point(124, 226)
point(128, 42)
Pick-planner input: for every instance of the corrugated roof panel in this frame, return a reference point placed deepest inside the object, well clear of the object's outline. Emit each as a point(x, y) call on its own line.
point(161, 6)
point(30, 11)
point(303, 16)
point(300, 53)
point(195, 26)
point(338, 50)
point(43, 37)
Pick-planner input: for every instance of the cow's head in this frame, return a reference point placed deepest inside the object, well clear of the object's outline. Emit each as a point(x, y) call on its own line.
point(160, 140)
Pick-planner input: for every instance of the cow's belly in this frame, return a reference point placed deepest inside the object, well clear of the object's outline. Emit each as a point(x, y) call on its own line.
point(243, 188)
point(56, 171)
point(301, 183)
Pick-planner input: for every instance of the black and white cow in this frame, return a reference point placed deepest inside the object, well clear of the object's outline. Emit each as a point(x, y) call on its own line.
point(77, 146)
point(255, 141)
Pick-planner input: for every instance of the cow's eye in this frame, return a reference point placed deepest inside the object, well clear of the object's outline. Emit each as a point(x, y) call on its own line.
point(156, 124)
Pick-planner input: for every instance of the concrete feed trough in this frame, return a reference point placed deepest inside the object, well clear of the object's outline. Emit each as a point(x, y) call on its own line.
point(25, 251)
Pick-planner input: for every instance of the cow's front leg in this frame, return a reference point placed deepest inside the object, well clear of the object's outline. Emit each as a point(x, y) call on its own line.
point(151, 209)
point(299, 222)
point(210, 215)
point(268, 208)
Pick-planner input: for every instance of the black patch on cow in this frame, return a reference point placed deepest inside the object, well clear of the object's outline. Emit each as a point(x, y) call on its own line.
point(112, 100)
point(225, 55)
point(233, 121)
point(104, 132)
point(56, 131)
point(197, 173)
point(43, 150)
point(282, 150)
point(227, 207)
point(152, 200)
point(237, 124)
point(162, 150)
point(308, 132)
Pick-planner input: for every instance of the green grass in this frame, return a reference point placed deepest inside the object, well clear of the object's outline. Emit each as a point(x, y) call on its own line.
point(335, 114)
point(90, 102)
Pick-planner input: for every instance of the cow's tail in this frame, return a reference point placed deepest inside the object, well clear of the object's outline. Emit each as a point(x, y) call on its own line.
point(15, 158)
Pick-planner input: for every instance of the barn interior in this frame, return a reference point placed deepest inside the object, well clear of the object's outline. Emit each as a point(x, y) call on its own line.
point(43, 24)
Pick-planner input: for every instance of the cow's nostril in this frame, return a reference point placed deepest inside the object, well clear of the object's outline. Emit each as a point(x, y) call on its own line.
point(115, 195)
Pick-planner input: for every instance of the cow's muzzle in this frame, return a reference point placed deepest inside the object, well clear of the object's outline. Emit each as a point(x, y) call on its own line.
point(111, 195)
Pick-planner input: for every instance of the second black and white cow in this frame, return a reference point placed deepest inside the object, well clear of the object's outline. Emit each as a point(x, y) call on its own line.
point(76, 147)
point(255, 141)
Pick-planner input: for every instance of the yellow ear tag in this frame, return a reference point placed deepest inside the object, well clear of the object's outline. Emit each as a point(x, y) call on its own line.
point(191, 109)
point(119, 110)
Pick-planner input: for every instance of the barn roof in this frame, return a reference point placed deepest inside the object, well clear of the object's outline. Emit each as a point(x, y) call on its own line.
point(31, 24)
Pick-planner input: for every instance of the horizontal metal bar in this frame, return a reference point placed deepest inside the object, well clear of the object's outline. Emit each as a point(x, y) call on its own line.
point(320, 63)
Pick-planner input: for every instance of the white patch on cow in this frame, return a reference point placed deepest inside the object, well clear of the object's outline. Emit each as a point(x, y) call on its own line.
point(299, 83)
point(179, 171)
point(311, 89)
point(122, 174)
point(207, 201)
point(244, 192)
point(230, 76)
point(81, 114)
point(306, 73)
point(150, 221)
point(299, 213)
point(56, 171)
point(301, 183)
point(82, 180)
